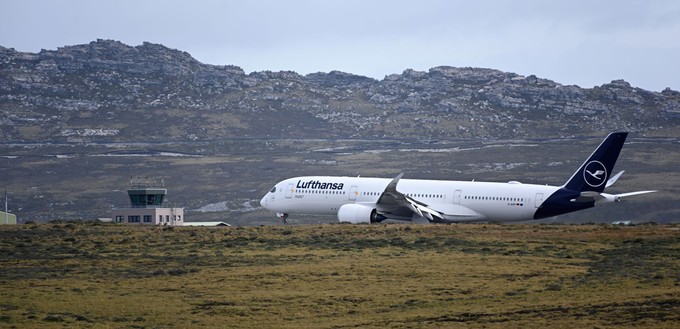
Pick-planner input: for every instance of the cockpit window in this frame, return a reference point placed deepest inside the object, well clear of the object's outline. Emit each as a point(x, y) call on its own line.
point(273, 189)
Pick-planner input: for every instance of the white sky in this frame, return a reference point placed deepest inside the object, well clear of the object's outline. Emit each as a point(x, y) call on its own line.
point(582, 42)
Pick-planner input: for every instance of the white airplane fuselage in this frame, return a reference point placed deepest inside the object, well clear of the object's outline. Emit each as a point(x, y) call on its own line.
point(458, 201)
point(370, 200)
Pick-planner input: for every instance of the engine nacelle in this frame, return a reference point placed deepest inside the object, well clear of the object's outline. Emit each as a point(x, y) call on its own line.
point(357, 214)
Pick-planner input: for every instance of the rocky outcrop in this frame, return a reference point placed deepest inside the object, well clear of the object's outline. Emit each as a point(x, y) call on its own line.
point(151, 91)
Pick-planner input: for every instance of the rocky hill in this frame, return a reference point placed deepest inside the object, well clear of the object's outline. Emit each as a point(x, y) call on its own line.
point(77, 122)
point(109, 91)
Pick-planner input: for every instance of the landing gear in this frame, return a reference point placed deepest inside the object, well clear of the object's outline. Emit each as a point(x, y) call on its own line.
point(283, 216)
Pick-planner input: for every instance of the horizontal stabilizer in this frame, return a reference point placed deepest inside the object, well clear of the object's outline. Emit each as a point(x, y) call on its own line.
point(623, 195)
point(613, 180)
point(591, 196)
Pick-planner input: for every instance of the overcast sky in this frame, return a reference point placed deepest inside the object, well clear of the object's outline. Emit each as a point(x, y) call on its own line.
point(582, 42)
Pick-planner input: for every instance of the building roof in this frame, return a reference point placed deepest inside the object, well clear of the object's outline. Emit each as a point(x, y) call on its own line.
point(206, 224)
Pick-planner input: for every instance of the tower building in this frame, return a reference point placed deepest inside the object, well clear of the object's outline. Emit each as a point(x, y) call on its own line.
point(147, 197)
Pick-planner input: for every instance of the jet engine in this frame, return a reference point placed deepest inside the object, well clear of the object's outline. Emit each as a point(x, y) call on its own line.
point(358, 214)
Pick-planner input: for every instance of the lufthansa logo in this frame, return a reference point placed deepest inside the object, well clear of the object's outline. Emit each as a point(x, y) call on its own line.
point(595, 174)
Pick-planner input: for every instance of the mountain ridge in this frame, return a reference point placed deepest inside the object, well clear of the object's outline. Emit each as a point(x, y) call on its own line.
point(77, 122)
point(109, 79)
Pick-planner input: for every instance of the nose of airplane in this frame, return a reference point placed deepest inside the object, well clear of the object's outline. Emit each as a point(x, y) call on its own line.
point(263, 202)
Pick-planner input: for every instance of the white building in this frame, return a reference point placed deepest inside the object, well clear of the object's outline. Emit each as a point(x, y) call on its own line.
point(7, 218)
point(147, 209)
point(206, 224)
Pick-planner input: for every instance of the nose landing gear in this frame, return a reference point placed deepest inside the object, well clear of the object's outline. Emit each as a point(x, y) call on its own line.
point(283, 216)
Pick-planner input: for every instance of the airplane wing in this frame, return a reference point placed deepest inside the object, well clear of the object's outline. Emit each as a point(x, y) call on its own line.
point(392, 201)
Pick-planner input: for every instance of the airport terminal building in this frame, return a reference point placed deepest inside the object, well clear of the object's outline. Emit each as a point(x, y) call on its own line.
point(147, 209)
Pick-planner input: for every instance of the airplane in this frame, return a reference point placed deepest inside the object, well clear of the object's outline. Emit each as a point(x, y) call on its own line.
point(371, 200)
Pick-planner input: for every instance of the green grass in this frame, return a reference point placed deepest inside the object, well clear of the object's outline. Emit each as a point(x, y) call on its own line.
point(336, 276)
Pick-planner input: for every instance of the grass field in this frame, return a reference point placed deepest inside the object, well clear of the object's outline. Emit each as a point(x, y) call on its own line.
point(337, 276)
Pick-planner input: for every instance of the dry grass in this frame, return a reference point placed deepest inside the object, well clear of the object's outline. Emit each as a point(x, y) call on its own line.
point(335, 276)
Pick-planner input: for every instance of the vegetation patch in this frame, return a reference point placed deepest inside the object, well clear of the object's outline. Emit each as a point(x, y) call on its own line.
point(329, 276)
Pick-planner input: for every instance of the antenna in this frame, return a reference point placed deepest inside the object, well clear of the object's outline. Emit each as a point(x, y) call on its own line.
point(146, 181)
point(5, 218)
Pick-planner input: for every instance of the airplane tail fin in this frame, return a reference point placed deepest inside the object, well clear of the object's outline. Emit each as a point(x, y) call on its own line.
point(595, 172)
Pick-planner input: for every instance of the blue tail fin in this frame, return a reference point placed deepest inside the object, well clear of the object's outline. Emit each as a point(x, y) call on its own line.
point(594, 173)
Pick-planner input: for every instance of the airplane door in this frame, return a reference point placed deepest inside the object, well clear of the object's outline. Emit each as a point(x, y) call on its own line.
point(289, 191)
point(353, 193)
point(539, 200)
point(456, 196)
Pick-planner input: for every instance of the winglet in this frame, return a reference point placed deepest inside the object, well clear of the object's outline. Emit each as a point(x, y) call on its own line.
point(392, 186)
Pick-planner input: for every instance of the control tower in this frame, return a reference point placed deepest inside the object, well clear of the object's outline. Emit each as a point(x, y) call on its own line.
point(147, 195)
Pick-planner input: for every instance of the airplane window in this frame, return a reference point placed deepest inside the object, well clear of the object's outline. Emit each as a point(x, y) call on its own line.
point(273, 189)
